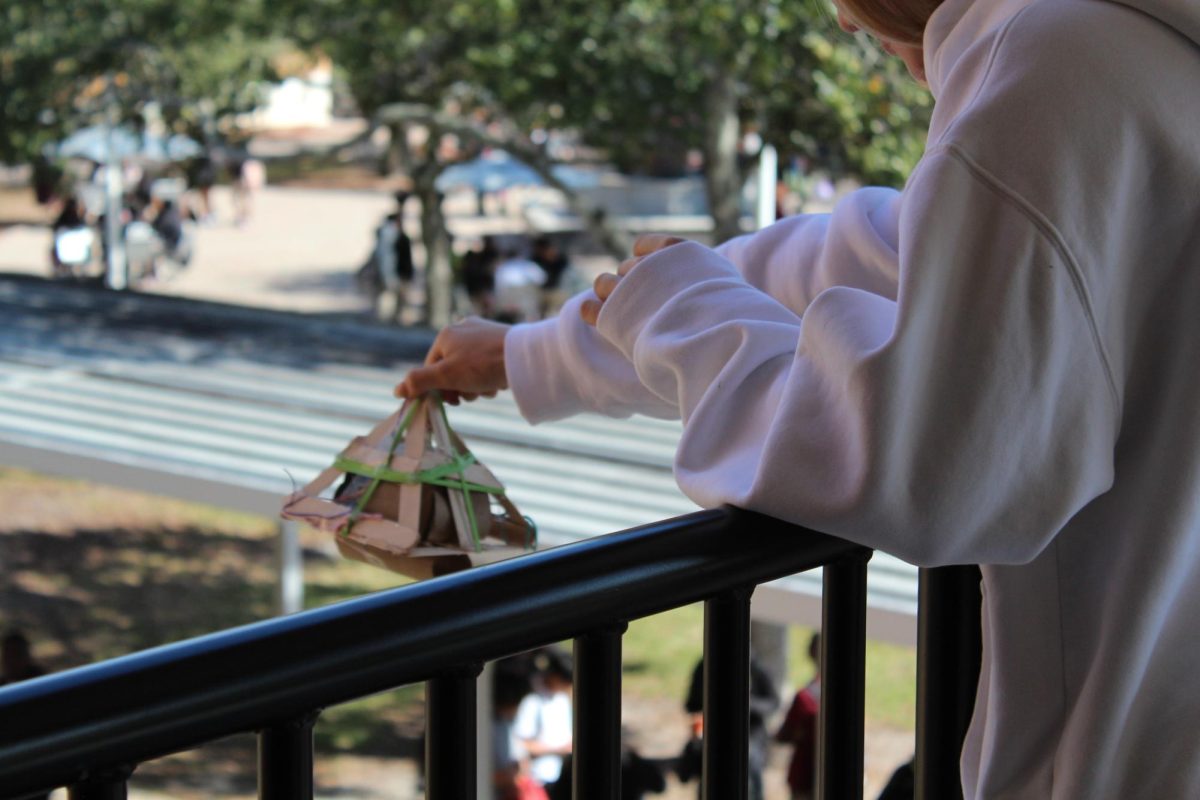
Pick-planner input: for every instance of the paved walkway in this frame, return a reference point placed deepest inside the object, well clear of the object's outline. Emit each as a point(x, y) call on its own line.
point(298, 252)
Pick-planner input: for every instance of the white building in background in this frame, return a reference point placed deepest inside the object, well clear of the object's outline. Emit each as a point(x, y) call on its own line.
point(303, 100)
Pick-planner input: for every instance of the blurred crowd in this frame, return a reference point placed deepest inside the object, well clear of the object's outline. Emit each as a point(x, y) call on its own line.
point(509, 278)
point(160, 205)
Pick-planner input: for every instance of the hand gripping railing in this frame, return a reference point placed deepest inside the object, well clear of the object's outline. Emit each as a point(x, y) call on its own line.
point(88, 728)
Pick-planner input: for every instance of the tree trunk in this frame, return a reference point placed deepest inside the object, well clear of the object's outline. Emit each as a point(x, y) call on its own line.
point(439, 281)
point(722, 178)
point(398, 158)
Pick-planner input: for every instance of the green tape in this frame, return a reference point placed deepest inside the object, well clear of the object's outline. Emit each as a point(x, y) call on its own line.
point(436, 476)
point(451, 475)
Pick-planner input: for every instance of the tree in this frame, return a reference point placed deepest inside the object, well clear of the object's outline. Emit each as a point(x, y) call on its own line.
point(64, 63)
point(642, 81)
point(647, 80)
point(864, 116)
point(410, 54)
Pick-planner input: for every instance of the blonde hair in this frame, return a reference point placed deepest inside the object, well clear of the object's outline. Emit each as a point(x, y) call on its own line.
point(900, 21)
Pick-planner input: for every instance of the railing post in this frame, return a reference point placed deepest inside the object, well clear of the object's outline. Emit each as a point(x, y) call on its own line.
point(727, 697)
point(285, 759)
point(109, 783)
point(843, 680)
point(291, 568)
point(949, 649)
point(596, 757)
point(450, 735)
point(485, 731)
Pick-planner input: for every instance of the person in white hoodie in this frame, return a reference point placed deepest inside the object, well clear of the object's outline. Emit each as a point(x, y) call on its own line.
point(999, 365)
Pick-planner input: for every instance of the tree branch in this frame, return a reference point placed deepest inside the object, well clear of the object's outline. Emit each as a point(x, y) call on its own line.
point(613, 242)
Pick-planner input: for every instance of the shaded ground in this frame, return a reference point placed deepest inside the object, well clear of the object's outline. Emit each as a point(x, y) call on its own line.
point(93, 573)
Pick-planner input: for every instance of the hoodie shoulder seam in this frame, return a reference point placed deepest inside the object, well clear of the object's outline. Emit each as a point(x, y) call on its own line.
point(1052, 235)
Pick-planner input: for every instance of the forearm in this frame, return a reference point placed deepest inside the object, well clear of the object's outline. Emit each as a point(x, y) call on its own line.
point(798, 257)
point(562, 366)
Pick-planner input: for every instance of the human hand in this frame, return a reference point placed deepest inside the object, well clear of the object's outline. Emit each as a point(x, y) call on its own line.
point(465, 362)
point(607, 282)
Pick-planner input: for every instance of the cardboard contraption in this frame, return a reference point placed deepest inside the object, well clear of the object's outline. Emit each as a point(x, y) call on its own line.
point(413, 499)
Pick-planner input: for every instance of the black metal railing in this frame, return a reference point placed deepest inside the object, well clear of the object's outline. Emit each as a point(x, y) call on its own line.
point(88, 728)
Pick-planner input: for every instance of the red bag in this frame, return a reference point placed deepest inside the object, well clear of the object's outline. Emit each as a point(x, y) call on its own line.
point(529, 789)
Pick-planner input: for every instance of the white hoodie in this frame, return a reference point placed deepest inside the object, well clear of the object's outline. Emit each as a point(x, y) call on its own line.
point(999, 365)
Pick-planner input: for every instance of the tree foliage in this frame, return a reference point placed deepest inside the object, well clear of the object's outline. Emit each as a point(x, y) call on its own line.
point(644, 82)
point(63, 63)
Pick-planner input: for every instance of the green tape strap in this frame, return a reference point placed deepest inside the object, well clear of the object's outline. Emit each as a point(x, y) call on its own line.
point(436, 476)
point(462, 475)
point(451, 475)
point(356, 512)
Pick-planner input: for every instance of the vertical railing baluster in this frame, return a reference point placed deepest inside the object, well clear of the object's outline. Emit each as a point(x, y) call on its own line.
point(285, 759)
point(727, 697)
point(109, 783)
point(485, 731)
point(949, 649)
point(596, 760)
point(843, 680)
point(450, 735)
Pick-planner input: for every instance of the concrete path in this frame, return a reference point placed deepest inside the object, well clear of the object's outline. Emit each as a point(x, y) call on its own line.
point(298, 251)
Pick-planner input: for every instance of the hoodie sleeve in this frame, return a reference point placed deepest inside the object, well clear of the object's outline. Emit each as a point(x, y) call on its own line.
point(963, 422)
point(798, 257)
point(561, 366)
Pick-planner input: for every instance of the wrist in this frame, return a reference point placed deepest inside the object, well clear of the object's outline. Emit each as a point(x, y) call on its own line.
point(499, 348)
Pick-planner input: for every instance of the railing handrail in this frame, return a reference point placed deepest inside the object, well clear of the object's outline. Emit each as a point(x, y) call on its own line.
point(174, 697)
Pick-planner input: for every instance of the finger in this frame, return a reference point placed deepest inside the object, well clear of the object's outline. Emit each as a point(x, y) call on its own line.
point(450, 398)
point(442, 345)
point(404, 389)
point(426, 379)
point(627, 266)
point(590, 311)
point(649, 243)
point(437, 351)
point(469, 397)
point(604, 285)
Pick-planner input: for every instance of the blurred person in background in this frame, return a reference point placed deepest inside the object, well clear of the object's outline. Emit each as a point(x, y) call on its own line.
point(543, 726)
point(555, 264)
point(479, 275)
point(799, 729)
point(16, 660)
point(202, 176)
point(517, 296)
point(764, 700)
